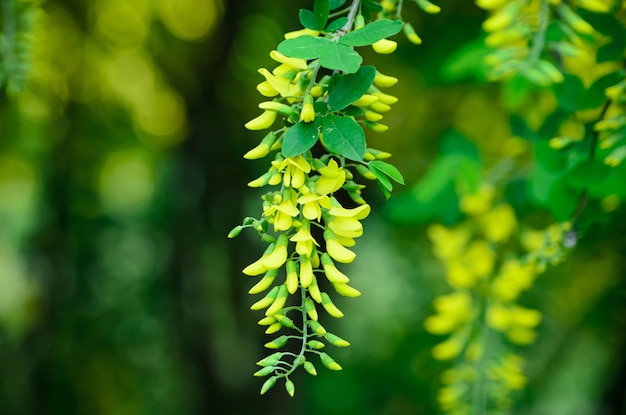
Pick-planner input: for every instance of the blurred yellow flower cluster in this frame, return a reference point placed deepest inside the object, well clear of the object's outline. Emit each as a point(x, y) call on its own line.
point(517, 32)
point(487, 269)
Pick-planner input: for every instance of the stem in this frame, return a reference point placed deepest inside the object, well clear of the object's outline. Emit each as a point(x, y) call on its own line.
point(305, 336)
point(399, 10)
point(354, 8)
point(316, 69)
point(583, 199)
point(339, 13)
point(539, 39)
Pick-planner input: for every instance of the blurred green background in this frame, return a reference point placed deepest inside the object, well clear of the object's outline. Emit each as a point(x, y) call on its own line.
point(121, 175)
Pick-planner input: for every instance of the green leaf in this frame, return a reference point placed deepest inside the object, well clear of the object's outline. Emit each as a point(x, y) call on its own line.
point(370, 6)
point(321, 8)
point(336, 24)
point(301, 137)
point(612, 51)
point(387, 169)
point(350, 87)
point(334, 4)
point(305, 47)
point(307, 19)
point(588, 173)
point(468, 176)
point(383, 181)
point(337, 56)
point(437, 177)
point(595, 95)
point(343, 136)
point(553, 161)
point(570, 93)
point(372, 32)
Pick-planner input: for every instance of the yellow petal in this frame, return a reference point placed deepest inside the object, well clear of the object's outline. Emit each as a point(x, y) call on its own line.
point(338, 252)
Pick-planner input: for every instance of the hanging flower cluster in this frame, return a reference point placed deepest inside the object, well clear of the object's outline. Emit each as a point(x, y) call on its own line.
point(518, 33)
point(322, 98)
point(611, 129)
point(487, 276)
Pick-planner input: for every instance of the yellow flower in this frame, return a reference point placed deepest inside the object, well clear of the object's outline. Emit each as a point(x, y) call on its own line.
point(385, 98)
point(453, 311)
point(365, 101)
point(293, 62)
point(359, 212)
point(346, 290)
point(262, 149)
point(479, 202)
point(512, 279)
point(332, 273)
point(262, 122)
point(295, 170)
point(346, 227)
point(448, 243)
point(330, 307)
point(266, 89)
point(279, 83)
point(447, 350)
point(337, 251)
point(308, 112)
point(306, 271)
point(282, 212)
point(331, 178)
point(301, 32)
point(312, 204)
point(278, 256)
point(304, 240)
point(384, 81)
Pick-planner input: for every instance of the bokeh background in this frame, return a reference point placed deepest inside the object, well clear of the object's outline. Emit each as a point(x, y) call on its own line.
point(121, 175)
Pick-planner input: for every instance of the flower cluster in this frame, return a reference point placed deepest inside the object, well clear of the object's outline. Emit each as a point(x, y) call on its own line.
point(611, 129)
point(517, 33)
point(309, 227)
point(487, 274)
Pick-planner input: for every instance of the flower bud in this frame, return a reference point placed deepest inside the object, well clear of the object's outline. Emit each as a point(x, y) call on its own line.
point(262, 149)
point(308, 111)
point(277, 343)
point(291, 281)
point(329, 362)
point(317, 327)
point(332, 273)
point(270, 360)
point(410, 34)
point(346, 290)
point(336, 340)
point(308, 366)
point(262, 122)
point(428, 7)
point(315, 344)
point(265, 301)
point(268, 384)
point(311, 311)
point(236, 231)
point(290, 387)
point(267, 370)
point(264, 283)
point(330, 307)
point(279, 301)
point(384, 46)
point(365, 101)
point(385, 81)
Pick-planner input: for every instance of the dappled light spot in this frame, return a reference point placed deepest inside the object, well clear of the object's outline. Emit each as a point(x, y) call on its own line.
point(126, 183)
point(190, 20)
